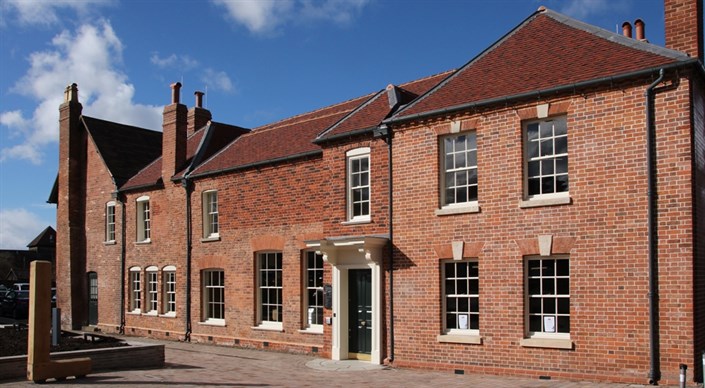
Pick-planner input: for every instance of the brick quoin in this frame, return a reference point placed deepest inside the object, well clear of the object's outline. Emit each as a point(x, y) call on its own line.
point(289, 204)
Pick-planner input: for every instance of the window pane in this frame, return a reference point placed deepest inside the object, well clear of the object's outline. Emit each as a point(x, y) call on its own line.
point(534, 168)
point(534, 267)
point(365, 164)
point(474, 305)
point(532, 149)
point(460, 143)
point(532, 131)
point(462, 285)
point(451, 304)
point(563, 324)
point(450, 179)
point(563, 286)
point(546, 129)
point(548, 267)
point(560, 126)
point(474, 322)
point(549, 306)
point(449, 161)
point(547, 167)
point(365, 179)
point(451, 321)
point(547, 185)
point(460, 160)
point(562, 268)
point(463, 305)
point(473, 269)
point(450, 196)
point(561, 165)
point(472, 141)
point(548, 286)
point(534, 186)
point(450, 270)
point(547, 147)
point(472, 176)
point(474, 286)
point(563, 306)
point(562, 145)
point(561, 183)
point(534, 287)
point(472, 158)
point(535, 323)
point(462, 269)
point(462, 195)
point(461, 178)
point(534, 305)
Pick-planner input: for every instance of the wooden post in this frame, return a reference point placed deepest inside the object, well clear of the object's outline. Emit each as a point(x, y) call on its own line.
point(39, 366)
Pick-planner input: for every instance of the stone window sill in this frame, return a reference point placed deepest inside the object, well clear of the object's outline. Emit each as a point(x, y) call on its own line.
point(145, 242)
point(269, 328)
point(357, 222)
point(549, 343)
point(538, 202)
point(460, 339)
point(213, 322)
point(310, 330)
point(112, 242)
point(450, 210)
point(168, 315)
point(210, 239)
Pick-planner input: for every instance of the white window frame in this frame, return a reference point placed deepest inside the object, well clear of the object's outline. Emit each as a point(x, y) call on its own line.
point(169, 290)
point(110, 221)
point(135, 290)
point(546, 295)
point(144, 220)
point(264, 321)
point(352, 157)
point(539, 159)
point(211, 226)
point(457, 280)
point(313, 284)
point(209, 287)
point(152, 291)
point(458, 155)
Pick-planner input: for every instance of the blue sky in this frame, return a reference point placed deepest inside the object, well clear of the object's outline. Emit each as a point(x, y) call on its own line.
point(257, 61)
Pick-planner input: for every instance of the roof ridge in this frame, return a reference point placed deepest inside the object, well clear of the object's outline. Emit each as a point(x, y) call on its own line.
point(271, 127)
point(358, 108)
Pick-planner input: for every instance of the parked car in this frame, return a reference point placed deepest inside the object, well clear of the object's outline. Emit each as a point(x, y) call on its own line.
point(15, 304)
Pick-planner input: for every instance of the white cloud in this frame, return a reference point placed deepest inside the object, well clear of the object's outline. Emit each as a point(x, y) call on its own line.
point(90, 57)
point(582, 9)
point(18, 227)
point(263, 16)
point(182, 62)
point(217, 80)
point(43, 13)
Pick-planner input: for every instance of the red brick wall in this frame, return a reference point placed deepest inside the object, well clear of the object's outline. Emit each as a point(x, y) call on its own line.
point(102, 258)
point(607, 219)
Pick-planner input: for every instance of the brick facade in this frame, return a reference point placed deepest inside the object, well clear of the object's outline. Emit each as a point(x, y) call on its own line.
point(297, 202)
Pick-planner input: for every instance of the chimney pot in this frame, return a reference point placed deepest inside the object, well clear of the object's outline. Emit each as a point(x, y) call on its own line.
point(627, 29)
point(199, 98)
point(175, 92)
point(71, 93)
point(640, 30)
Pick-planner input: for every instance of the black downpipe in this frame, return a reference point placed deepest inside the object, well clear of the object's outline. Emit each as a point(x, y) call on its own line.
point(186, 183)
point(123, 239)
point(388, 139)
point(654, 373)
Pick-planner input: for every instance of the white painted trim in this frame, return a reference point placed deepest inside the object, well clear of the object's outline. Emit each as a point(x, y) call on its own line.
point(557, 343)
point(460, 339)
point(358, 151)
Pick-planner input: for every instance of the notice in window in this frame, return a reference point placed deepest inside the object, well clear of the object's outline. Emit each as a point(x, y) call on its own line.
point(463, 321)
point(549, 324)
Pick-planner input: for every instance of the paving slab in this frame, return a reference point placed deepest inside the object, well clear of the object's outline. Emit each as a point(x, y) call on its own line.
point(201, 365)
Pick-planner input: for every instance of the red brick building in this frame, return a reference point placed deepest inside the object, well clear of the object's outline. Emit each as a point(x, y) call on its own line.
point(536, 212)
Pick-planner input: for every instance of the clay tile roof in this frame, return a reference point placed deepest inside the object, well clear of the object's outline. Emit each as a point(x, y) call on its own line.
point(47, 238)
point(222, 134)
point(286, 138)
point(371, 113)
point(545, 51)
point(125, 149)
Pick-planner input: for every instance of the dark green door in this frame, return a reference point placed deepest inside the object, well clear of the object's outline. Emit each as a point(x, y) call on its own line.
point(360, 312)
point(92, 298)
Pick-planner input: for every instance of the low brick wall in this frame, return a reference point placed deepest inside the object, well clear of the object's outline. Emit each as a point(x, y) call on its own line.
point(136, 356)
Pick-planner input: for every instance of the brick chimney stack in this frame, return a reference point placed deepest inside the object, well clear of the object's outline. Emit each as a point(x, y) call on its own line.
point(70, 212)
point(174, 136)
point(684, 26)
point(198, 116)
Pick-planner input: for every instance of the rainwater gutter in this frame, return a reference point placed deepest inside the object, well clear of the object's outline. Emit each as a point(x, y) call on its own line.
point(123, 254)
point(654, 372)
point(188, 188)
